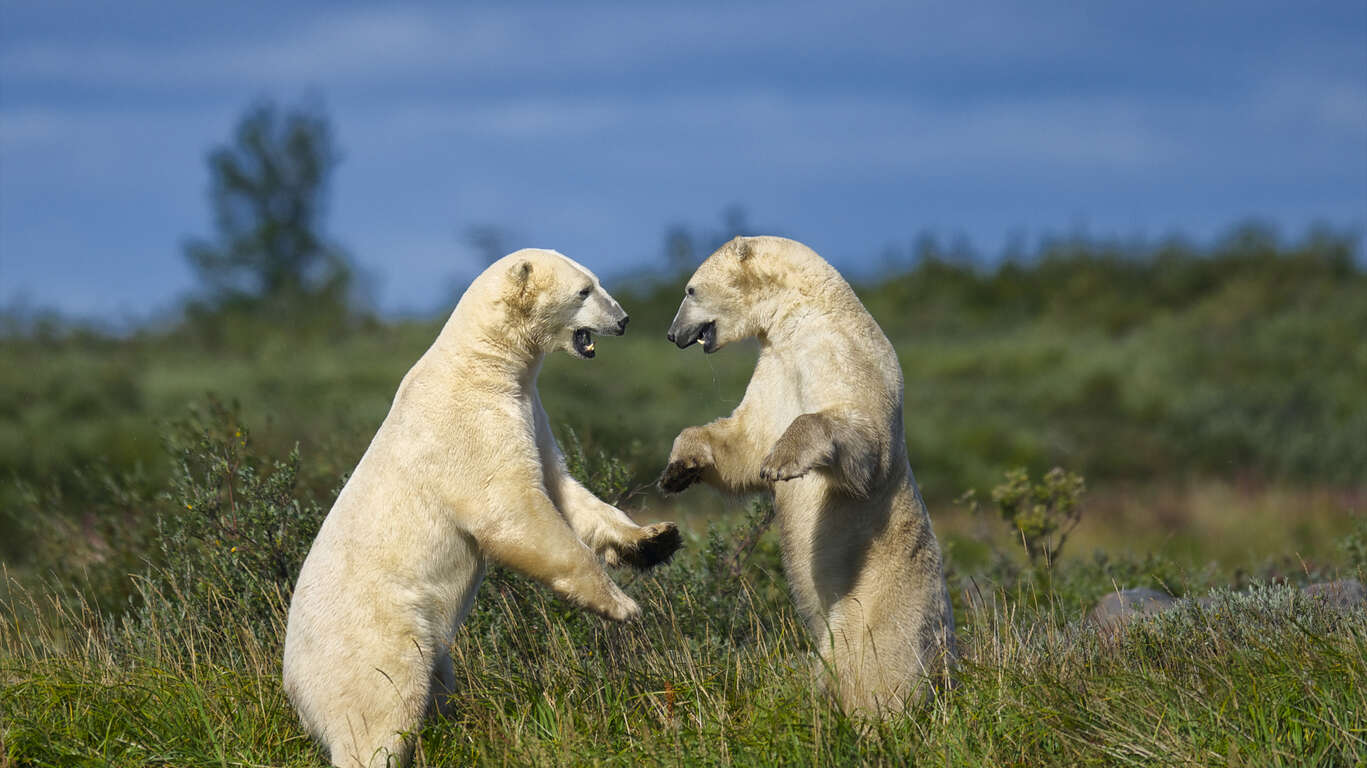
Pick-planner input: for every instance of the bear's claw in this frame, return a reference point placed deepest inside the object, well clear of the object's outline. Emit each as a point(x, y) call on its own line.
point(778, 474)
point(791, 458)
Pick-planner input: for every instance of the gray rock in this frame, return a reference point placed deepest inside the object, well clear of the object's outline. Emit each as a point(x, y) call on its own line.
point(1117, 608)
point(1342, 595)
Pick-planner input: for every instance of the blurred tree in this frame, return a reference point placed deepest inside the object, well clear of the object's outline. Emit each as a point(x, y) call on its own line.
point(491, 240)
point(927, 249)
point(679, 250)
point(734, 223)
point(684, 249)
point(268, 196)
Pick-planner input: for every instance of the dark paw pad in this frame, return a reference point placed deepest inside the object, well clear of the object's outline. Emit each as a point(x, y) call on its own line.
point(659, 544)
point(678, 476)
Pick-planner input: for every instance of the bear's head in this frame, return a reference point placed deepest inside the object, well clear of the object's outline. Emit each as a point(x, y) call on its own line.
point(554, 302)
point(739, 291)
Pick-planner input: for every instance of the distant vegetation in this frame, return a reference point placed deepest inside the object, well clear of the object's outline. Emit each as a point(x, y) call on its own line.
point(1244, 360)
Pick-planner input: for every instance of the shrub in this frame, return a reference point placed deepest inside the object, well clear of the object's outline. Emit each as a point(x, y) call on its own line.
point(606, 476)
point(93, 552)
point(236, 531)
point(1354, 543)
point(1043, 514)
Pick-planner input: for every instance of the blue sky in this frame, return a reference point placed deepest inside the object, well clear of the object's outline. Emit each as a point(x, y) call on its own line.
point(590, 127)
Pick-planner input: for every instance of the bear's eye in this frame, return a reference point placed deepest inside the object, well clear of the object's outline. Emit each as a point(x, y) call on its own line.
point(584, 294)
point(690, 291)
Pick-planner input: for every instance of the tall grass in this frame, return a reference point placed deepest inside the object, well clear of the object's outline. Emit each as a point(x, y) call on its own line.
point(719, 671)
point(1260, 678)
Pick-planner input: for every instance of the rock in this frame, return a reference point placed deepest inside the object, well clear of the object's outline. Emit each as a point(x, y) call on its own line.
point(1342, 595)
point(1117, 608)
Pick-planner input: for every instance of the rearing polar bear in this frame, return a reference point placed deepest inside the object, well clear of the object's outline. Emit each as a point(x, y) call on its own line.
point(463, 468)
point(821, 424)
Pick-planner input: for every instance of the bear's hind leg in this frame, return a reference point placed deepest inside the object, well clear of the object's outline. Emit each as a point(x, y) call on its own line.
point(373, 740)
point(376, 713)
point(351, 752)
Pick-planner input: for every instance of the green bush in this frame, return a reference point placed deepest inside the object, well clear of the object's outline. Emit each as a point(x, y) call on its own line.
point(1041, 514)
point(1354, 543)
point(236, 530)
point(607, 477)
point(90, 554)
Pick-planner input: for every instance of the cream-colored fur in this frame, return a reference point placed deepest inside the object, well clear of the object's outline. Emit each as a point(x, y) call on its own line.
point(463, 469)
point(821, 425)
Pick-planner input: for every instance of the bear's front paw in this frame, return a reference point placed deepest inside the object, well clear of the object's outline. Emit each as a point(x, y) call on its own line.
point(626, 609)
point(679, 475)
point(787, 463)
point(690, 455)
point(656, 545)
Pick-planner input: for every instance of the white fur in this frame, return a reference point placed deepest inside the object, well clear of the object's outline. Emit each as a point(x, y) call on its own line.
point(463, 468)
point(821, 425)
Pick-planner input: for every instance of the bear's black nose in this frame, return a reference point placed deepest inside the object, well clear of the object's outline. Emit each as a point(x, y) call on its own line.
point(622, 324)
point(670, 335)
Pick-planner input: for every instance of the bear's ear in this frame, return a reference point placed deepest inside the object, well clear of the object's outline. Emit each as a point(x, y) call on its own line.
point(520, 271)
point(742, 248)
point(520, 294)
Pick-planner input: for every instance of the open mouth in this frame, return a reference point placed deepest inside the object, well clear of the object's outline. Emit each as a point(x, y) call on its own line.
point(708, 337)
point(583, 342)
point(705, 333)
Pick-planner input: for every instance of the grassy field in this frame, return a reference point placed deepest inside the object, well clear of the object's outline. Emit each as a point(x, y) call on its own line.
point(718, 673)
point(1213, 399)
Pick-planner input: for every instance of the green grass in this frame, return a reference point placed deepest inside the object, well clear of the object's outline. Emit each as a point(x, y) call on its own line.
point(722, 678)
point(719, 670)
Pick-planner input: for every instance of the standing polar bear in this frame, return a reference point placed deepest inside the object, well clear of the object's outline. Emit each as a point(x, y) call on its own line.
point(821, 423)
point(463, 468)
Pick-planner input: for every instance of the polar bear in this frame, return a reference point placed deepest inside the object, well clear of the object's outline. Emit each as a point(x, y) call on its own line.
point(463, 469)
point(821, 425)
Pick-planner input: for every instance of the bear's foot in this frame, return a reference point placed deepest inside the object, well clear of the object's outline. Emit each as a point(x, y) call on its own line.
point(656, 545)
